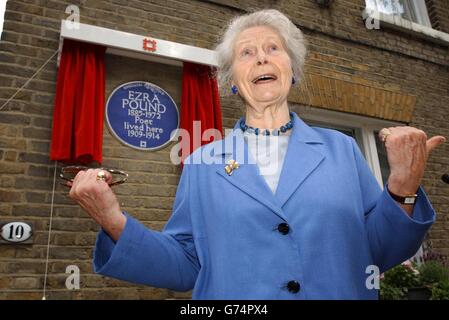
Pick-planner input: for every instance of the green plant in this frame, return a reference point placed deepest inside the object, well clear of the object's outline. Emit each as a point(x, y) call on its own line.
point(433, 272)
point(390, 292)
point(431, 255)
point(440, 291)
point(407, 281)
point(402, 276)
point(396, 281)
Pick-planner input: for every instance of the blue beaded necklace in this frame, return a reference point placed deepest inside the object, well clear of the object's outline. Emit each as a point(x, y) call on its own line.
point(266, 132)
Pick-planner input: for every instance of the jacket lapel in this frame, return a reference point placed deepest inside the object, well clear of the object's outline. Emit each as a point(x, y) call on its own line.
point(247, 177)
point(300, 160)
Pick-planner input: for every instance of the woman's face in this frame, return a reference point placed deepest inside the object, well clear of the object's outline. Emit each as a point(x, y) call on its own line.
point(262, 69)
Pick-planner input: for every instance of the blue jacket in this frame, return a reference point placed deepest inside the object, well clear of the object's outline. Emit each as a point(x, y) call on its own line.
point(224, 241)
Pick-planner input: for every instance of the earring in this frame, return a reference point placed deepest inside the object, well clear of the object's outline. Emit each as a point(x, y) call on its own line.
point(293, 80)
point(234, 89)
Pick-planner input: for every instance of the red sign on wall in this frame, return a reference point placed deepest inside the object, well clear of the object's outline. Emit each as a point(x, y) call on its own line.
point(149, 45)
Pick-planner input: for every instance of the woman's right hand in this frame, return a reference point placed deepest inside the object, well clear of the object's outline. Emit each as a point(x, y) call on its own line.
point(98, 200)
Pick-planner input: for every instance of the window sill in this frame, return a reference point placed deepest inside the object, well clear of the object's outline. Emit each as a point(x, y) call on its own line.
point(374, 19)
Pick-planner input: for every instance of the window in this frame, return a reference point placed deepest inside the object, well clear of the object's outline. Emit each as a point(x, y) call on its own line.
point(383, 160)
point(412, 10)
point(364, 130)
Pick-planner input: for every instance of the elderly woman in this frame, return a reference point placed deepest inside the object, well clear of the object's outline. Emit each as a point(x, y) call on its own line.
point(298, 216)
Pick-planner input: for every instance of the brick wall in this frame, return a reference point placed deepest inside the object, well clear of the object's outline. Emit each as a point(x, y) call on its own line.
point(340, 47)
point(438, 14)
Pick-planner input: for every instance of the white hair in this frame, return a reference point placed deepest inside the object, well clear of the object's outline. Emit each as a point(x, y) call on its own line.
point(290, 34)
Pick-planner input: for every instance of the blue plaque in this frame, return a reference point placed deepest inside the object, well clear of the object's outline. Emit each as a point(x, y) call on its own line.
point(142, 115)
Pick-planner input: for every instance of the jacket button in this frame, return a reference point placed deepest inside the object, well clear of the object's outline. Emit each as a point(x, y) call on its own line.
point(283, 228)
point(293, 286)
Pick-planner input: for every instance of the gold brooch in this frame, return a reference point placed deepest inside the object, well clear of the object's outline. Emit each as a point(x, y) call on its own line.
point(231, 166)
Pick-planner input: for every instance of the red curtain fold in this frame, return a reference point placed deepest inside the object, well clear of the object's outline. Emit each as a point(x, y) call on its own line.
point(77, 135)
point(200, 102)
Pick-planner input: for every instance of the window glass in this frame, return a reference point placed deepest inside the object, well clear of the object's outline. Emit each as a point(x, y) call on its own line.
point(352, 132)
point(383, 160)
point(406, 9)
point(346, 130)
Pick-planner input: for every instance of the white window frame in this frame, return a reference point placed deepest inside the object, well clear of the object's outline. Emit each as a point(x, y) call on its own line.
point(2, 16)
point(422, 15)
point(364, 131)
point(130, 45)
point(419, 10)
point(422, 29)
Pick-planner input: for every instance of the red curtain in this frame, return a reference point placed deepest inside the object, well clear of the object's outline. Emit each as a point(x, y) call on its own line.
point(200, 102)
point(77, 135)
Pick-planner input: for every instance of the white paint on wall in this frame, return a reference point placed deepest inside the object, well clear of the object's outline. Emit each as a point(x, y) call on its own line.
point(2, 15)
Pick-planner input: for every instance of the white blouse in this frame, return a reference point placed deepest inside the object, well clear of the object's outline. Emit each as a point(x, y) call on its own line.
point(269, 153)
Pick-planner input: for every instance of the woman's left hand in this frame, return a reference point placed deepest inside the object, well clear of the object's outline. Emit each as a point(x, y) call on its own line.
point(407, 150)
